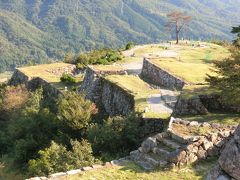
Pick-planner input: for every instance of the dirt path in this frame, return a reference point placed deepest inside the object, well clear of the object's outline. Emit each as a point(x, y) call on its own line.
point(157, 105)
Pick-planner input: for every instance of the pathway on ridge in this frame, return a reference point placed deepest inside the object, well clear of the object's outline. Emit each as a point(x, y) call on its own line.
point(165, 101)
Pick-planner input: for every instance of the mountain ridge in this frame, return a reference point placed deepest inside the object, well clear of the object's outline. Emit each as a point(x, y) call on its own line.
point(47, 29)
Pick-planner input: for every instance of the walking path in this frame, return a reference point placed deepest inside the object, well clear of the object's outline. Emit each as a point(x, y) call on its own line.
point(165, 101)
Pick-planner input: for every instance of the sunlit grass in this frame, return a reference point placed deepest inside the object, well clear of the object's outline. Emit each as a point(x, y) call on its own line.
point(132, 171)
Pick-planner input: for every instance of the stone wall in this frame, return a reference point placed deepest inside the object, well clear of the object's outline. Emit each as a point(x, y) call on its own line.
point(228, 166)
point(33, 83)
point(201, 104)
point(189, 106)
point(172, 149)
point(18, 78)
point(216, 102)
point(160, 77)
point(108, 96)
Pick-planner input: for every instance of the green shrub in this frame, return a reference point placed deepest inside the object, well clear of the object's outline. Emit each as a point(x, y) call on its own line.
point(68, 78)
point(57, 158)
point(129, 45)
point(117, 135)
point(103, 56)
point(75, 111)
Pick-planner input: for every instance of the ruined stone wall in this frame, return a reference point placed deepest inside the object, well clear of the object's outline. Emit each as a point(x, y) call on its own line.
point(201, 104)
point(189, 106)
point(185, 149)
point(108, 96)
point(228, 165)
point(33, 83)
point(18, 78)
point(160, 77)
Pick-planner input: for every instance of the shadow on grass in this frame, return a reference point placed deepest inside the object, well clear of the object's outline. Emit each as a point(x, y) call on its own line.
point(215, 117)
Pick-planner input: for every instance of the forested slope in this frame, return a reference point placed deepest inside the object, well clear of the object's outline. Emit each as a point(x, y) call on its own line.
point(36, 30)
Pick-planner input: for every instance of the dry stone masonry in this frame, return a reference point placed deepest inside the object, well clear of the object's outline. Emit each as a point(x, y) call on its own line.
point(160, 77)
point(171, 148)
point(228, 166)
point(108, 96)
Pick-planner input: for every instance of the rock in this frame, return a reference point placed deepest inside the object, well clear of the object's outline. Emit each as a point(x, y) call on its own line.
point(230, 159)
point(177, 156)
point(149, 144)
point(201, 154)
point(115, 162)
point(88, 168)
point(205, 124)
point(223, 177)
point(96, 166)
point(194, 123)
point(57, 175)
point(72, 172)
point(207, 144)
point(192, 158)
point(195, 149)
point(214, 151)
point(214, 173)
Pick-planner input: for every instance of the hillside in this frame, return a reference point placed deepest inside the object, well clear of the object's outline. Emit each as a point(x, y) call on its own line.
point(35, 31)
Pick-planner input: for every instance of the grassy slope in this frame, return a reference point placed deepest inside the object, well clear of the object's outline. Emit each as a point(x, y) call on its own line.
point(133, 172)
point(192, 63)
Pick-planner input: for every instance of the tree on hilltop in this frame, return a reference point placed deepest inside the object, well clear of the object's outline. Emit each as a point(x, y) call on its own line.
point(236, 30)
point(177, 20)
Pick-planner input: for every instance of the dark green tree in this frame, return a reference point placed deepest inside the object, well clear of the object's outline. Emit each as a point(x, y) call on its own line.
point(227, 79)
point(236, 30)
point(75, 111)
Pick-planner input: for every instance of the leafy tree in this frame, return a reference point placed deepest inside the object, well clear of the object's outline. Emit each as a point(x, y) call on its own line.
point(228, 77)
point(75, 111)
point(12, 99)
point(236, 30)
point(177, 20)
point(57, 158)
point(116, 135)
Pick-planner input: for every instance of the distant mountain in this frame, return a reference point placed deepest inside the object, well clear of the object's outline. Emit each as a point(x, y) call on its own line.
point(34, 31)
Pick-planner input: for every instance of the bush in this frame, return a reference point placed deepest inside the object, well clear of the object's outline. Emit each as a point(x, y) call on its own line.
point(129, 45)
point(12, 99)
point(103, 56)
point(117, 135)
point(68, 78)
point(75, 111)
point(57, 158)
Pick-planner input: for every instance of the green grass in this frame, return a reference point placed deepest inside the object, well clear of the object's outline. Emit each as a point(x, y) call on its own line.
point(5, 76)
point(133, 172)
point(192, 91)
point(191, 63)
point(109, 68)
point(157, 115)
point(44, 71)
point(135, 86)
point(223, 118)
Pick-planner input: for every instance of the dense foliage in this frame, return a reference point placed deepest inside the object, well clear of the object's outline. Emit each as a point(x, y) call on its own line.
point(228, 74)
point(28, 137)
point(57, 158)
point(103, 56)
point(68, 78)
point(36, 31)
point(39, 141)
point(118, 135)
